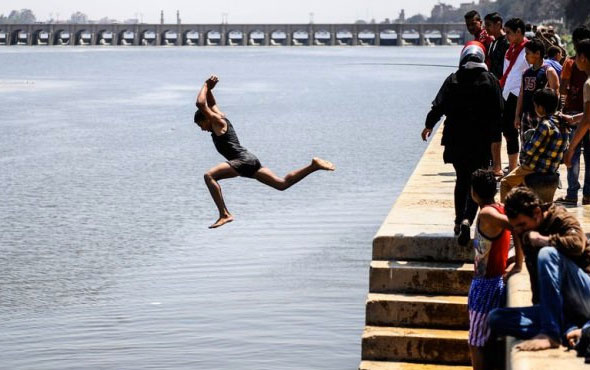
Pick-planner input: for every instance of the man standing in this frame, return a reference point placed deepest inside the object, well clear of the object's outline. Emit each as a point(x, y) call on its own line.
point(557, 257)
point(471, 100)
point(572, 84)
point(515, 64)
point(495, 28)
point(475, 27)
point(496, 54)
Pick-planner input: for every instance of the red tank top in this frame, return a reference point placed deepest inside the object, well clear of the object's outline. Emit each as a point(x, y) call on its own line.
point(491, 253)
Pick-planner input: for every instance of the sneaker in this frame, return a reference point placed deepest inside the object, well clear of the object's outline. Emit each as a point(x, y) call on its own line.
point(585, 200)
point(464, 233)
point(567, 201)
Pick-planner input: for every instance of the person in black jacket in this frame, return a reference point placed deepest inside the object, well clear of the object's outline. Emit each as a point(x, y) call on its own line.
point(471, 100)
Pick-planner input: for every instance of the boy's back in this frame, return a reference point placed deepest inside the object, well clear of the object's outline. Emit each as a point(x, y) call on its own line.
point(544, 151)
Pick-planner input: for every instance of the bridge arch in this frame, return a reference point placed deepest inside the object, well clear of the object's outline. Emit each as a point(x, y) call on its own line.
point(235, 37)
point(41, 37)
point(126, 37)
point(432, 36)
point(388, 37)
point(257, 37)
point(148, 37)
point(62, 37)
point(410, 36)
point(191, 37)
point(169, 37)
point(322, 37)
point(83, 37)
point(300, 37)
point(344, 37)
point(279, 37)
point(367, 37)
point(16, 37)
point(213, 37)
point(105, 37)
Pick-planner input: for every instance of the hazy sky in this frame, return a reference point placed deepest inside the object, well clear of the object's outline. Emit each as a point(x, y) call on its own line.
point(239, 11)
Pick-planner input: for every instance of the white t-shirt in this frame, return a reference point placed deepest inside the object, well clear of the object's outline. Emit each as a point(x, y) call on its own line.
point(587, 91)
point(514, 79)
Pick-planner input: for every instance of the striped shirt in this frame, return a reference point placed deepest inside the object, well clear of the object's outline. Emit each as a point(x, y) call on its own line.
point(543, 152)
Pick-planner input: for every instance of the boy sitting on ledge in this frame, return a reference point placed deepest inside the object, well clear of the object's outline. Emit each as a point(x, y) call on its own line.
point(542, 153)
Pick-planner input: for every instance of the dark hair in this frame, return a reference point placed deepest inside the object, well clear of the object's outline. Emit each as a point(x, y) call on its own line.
point(536, 45)
point(521, 200)
point(528, 27)
point(583, 48)
point(473, 14)
point(494, 17)
point(580, 33)
point(199, 116)
point(553, 51)
point(515, 24)
point(546, 98)
point(484, 184)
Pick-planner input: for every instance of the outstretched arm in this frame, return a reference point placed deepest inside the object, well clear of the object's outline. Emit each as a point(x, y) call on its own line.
point(204, 101)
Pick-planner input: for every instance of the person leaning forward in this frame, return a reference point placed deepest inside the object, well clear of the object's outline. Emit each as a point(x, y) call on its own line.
point(557, 257)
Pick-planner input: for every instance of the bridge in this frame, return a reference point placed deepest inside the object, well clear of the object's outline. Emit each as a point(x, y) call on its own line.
point(232, 34)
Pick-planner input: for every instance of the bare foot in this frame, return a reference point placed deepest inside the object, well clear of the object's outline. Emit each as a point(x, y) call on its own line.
point(322, 164)
point(222, 221)
point(538, 343)
point(573, 337)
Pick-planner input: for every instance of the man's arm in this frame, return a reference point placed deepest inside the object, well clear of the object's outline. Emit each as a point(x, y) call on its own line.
point(553, 80)
point(211, 103)
point(569, 240)
point(437, 110)
point(215, 117)
point(583, 127)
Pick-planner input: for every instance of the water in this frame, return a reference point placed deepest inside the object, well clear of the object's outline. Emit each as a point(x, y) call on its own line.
point(105, 258)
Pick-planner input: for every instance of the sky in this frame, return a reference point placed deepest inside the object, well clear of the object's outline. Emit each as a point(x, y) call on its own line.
point(238, 11)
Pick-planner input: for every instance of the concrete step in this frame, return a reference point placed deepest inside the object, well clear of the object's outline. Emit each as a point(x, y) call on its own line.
point(384, 365)
point(405, 310)
point(446, 278)
point(426, 247)
point(415, 345)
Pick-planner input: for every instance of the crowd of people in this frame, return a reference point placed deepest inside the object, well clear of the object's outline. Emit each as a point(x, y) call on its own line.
point(516, 81)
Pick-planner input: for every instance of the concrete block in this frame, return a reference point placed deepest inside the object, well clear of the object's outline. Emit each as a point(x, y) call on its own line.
point(421, 246)
point(404, 310)
point(385, 365)
point(415, 345)
point(420, 277)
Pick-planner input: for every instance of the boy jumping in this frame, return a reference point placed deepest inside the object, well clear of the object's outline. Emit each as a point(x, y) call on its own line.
point(240, 162)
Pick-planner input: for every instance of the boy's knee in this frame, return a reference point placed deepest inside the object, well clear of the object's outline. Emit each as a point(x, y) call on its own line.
point(494, 318)
point(208, 177)
point(547, 254)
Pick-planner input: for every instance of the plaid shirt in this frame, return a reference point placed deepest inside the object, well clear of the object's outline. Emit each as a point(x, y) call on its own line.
point(543, 152)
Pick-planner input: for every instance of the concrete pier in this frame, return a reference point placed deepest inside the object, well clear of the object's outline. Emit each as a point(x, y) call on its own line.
point(155, 34)
point(416, 309)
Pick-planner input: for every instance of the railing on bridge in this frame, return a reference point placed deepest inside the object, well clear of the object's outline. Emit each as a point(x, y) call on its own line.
point(232, 34)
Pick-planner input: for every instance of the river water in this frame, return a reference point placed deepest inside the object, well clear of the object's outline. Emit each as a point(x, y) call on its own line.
point(106, 261)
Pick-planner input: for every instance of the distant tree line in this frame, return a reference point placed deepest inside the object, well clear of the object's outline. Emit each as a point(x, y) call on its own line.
point(26, 16)
point(574, 12)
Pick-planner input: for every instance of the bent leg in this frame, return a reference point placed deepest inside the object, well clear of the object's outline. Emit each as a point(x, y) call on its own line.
point(219, 172)
point(518, 322)
point(267, 177)
point(512, 180)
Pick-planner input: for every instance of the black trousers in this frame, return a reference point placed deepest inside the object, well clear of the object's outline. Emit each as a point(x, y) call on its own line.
point(465, 207)
point(510, 132)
